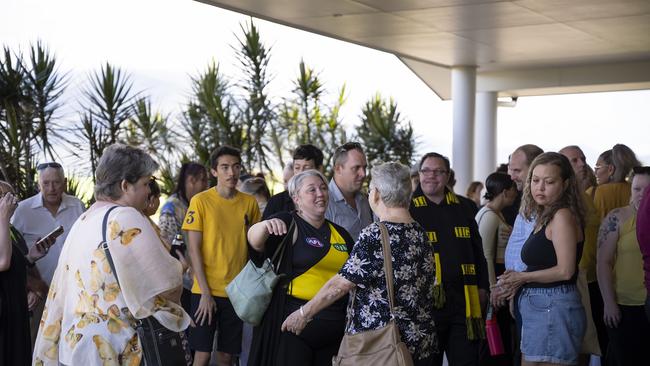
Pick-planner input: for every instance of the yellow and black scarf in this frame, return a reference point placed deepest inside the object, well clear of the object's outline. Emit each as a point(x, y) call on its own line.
point(458, 235)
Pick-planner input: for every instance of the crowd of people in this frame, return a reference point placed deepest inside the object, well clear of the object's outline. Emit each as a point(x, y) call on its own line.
point(556, 250)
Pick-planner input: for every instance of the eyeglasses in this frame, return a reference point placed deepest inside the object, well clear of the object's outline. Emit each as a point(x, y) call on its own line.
point(435, 172)
point(48, 165)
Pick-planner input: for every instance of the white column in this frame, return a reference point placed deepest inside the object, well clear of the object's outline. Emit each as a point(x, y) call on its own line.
point(463, 94)
point(485, 138)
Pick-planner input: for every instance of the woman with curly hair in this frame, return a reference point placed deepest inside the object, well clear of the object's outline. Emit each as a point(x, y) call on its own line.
point(553, 317)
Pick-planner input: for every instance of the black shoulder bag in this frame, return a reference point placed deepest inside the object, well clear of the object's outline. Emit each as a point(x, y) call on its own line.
point(160, 346)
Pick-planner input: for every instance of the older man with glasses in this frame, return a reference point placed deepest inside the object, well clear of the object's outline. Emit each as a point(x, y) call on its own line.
point(38, 215)
point(347, 206)
point(461, 277)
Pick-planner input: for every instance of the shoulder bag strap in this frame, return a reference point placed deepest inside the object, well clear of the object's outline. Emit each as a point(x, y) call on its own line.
point(478, 223)
point(487, 209)
point(104, 244)
point(279, 251)
point(388, 264)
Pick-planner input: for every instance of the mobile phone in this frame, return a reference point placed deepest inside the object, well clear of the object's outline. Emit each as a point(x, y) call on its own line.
point(52, 234)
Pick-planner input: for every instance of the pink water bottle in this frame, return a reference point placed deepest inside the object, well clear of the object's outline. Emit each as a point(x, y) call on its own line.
point(493, 333)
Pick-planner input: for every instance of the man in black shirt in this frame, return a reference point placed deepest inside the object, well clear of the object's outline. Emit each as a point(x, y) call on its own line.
point(305, 157)
point(461, 283)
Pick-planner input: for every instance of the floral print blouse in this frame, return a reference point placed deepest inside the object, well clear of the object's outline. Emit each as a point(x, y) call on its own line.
point(413, 271)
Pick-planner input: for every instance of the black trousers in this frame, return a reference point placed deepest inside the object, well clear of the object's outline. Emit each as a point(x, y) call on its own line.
point(316, 344)
point(597, 314)
point(647, 307)
point(452, 332)
point(629, 343)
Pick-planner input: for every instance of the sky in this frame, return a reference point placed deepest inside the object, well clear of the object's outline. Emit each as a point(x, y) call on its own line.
point(161, 43)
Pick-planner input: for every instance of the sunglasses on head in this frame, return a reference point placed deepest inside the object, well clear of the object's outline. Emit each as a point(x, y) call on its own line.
point(645, 170)
point(349, 146)
point(48, 165)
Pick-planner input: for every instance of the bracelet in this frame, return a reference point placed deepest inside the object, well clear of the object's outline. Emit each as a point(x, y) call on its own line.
point(302, 313)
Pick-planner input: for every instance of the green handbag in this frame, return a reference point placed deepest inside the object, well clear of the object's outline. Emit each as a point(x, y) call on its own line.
point(251, 290)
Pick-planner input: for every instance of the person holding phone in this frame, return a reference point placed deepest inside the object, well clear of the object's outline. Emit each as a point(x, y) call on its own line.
point(38, 215)
point(15, 259)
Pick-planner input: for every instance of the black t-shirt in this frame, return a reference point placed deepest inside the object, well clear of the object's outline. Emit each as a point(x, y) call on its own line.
point(538, 253)
point(280, 202)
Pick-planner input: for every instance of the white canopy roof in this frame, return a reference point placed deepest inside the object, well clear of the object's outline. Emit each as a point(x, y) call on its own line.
point(521, 47)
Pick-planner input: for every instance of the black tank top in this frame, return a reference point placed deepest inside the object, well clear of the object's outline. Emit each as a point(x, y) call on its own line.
point(538, 253)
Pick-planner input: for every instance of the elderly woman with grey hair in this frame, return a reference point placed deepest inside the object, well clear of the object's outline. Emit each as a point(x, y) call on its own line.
point(89, 319)
point(363, 273)
point(315, 251)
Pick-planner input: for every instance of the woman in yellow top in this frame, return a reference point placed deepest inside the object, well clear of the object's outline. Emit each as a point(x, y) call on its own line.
point(319, 252)
point(620, 276)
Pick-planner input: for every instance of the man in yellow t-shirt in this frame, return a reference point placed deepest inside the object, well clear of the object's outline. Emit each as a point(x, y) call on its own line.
point(217, 221)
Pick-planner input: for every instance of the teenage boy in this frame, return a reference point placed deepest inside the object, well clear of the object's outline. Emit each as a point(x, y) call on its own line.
point(217, 221)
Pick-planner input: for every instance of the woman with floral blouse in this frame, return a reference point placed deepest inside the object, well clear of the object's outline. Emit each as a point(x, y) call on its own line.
point(363, 273)
point(90, 319)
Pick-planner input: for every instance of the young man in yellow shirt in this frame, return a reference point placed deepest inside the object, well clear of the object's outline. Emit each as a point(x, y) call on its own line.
point(217, 221)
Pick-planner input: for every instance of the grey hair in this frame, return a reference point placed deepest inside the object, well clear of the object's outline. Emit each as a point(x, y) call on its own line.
point(295, 183)
point(393, 183)
point(121, 162)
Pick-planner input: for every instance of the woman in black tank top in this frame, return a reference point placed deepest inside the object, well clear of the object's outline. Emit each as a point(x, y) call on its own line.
point(553, 319)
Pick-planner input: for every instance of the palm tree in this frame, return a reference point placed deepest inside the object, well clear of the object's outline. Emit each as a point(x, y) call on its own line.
point(384, 134)
point(257, 112)
point(16, 129)
point(306, 119)
point(45, 85)
point(150, 130)
point(209, 118)
point(106, 108)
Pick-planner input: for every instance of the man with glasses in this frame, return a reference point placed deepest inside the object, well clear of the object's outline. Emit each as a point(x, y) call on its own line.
point(305, 157)
point(38, 215)
point(461, 283)
point(347, 206)
point(217, 220)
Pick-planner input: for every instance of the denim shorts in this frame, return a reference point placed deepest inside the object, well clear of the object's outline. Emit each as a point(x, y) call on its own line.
point(553, 324)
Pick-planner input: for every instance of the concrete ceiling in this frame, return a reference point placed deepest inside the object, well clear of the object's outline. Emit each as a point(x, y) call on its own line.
point(538, 44)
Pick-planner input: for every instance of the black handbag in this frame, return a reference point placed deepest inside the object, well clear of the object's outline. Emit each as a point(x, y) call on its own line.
point(160, 346)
